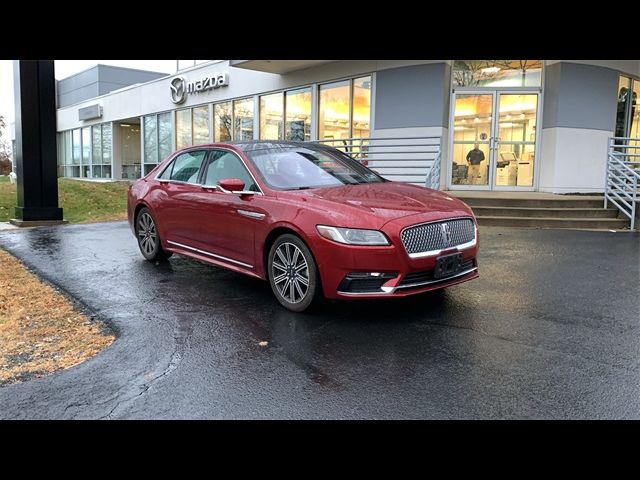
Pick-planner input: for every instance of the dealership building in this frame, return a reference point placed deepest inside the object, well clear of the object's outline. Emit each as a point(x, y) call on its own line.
point(494, 125)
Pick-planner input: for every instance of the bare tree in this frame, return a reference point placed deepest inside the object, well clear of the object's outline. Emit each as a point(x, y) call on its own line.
point(468, 73)
point(5, 151)
point(5, 158)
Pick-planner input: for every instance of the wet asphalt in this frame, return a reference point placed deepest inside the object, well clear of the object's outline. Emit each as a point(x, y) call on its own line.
point(550, 330)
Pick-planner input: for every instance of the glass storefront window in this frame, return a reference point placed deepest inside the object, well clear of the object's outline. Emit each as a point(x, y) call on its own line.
point(333, 121)
point(243, 119)
point(106, 150)
point(298, 115)
point(271, 116)
point(624, 87)
point(60, 153)
point(86, 152)
point(86, 145)
point(96, 151)
point(96, 144)
point(635, 115)
point(184, 136)
point(222, 113)
point(67, 147)
point(158, 143)
point(130, 150)
point(200, 125)
point(76, 145)
point(150, 139)
point(165, 146)
point(497, 73)
point(361, 107)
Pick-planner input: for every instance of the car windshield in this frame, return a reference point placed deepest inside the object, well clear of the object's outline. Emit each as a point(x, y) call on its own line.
point(298, 168)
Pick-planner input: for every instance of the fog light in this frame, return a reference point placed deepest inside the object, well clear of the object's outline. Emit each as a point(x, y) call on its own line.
point(364, 282)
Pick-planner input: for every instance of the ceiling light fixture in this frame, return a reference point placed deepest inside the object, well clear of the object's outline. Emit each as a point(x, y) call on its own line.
point(490, 70)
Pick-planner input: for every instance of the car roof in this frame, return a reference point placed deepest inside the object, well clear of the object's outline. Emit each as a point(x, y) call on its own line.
point(253, 145)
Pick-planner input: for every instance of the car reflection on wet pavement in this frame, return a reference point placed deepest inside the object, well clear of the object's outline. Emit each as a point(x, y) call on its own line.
point(550, 330)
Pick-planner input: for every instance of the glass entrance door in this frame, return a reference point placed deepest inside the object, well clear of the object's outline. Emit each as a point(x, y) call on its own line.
point(494, 141)
point(472, 140)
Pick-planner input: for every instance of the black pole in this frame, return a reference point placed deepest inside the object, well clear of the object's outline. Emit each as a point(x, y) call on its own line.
point(35, 102)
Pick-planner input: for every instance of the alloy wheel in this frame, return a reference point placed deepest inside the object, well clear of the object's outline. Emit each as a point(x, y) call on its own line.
point(290, 272)
point(147, 235)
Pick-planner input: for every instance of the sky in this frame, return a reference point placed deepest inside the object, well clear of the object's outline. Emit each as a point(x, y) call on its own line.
point(64, 68)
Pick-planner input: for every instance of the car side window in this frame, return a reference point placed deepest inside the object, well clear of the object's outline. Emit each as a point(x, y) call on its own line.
point(184, 168)
point(223, 164)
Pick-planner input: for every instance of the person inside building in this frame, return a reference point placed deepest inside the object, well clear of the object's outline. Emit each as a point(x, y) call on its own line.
point(474, 158)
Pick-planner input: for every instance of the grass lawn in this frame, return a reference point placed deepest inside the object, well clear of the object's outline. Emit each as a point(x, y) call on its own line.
point(82, 202)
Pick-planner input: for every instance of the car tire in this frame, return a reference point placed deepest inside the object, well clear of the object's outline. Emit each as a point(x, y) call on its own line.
point(148, 237)
point(290, 265)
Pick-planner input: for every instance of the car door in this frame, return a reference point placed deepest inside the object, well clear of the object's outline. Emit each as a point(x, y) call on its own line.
point(230, 222)
point(177, 209)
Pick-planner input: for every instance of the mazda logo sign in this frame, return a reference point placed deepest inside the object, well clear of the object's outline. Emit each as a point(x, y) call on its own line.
point(178, 90)
point(180, 87)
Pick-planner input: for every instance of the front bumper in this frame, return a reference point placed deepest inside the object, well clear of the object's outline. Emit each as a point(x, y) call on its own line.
point(399, 274)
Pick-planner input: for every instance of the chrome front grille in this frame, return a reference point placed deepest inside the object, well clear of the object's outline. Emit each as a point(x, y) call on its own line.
point(438, 236)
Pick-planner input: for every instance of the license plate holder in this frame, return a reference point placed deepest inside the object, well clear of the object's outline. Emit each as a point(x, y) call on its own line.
point(447, 265)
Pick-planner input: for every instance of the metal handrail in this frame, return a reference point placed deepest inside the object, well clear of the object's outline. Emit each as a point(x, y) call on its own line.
point(622, 179)
point(408, 159)
point(433, 177)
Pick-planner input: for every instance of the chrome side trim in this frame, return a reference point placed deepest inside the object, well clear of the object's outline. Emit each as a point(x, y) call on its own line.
point(462, 246)
point(385, 291)
point(204, 252)
point(419, 284)
point(250, 214)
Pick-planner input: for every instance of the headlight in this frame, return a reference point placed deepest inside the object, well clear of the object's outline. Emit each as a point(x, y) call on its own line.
point(353, 236)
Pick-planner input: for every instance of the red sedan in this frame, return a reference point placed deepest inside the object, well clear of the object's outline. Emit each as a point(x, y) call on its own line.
point(308, 218)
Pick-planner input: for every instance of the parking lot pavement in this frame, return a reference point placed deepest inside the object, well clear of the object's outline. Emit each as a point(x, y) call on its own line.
point(551, 329)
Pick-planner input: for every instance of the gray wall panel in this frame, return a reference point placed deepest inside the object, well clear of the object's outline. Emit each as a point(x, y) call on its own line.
point(99, 80)
point(414, 96)
point(78, 80)
point(78, 95)
point(580, 96)
point(126, 76)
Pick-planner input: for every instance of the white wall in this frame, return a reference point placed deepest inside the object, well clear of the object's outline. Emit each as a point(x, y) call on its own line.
point(573, 160)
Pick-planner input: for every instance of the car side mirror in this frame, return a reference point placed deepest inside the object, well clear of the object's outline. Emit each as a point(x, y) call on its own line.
point(231, 184)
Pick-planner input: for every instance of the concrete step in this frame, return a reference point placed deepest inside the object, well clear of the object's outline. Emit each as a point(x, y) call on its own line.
point(564, 201)
point(554, 222)
point(500, 211)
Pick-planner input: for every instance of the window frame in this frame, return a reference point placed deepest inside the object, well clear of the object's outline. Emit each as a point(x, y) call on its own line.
point(211, 151)
point(172, 161)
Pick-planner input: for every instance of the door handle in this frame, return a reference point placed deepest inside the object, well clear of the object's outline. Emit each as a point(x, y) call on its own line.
point(251, 214)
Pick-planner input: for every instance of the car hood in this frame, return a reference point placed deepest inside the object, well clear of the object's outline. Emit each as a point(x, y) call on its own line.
point(385, 201)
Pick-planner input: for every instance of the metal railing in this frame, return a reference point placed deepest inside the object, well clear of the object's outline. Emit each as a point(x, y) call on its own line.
point(403, 159)
point(623, 176)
